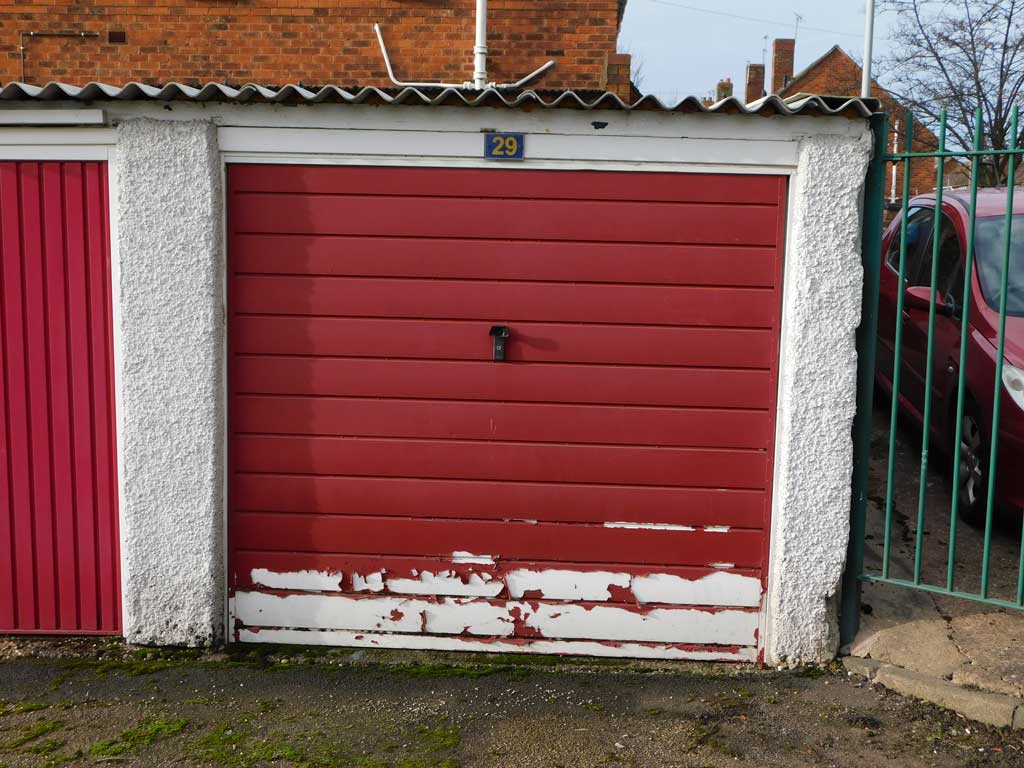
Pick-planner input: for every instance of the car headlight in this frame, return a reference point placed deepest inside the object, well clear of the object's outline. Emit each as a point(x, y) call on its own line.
point(1013, 380)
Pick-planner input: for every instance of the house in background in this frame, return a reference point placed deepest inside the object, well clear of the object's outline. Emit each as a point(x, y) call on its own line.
point(835, 73)
point(311, 43)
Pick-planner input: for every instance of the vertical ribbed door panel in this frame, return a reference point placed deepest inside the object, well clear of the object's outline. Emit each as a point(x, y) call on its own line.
point(58, 484)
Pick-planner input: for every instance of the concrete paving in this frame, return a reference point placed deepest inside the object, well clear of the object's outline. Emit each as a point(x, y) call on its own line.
point(953, 648)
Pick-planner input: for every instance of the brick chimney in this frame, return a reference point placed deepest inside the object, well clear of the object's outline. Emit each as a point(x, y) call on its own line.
point(723, 90)
point(782, 63)
point(755, 83)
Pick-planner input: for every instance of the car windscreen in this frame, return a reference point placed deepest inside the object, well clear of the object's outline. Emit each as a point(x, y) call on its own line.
point(988, 248)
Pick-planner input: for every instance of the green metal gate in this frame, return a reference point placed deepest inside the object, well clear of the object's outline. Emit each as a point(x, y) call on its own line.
point(1009, 278)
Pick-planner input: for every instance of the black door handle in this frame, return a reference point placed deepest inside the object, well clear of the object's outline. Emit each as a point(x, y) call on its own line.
point(499, 335)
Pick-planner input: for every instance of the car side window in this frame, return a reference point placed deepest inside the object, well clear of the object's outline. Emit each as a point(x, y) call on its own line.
point(951, 265)
point(919, 228)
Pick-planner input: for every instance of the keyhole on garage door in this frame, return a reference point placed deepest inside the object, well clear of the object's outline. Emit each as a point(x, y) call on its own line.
point(499, 336)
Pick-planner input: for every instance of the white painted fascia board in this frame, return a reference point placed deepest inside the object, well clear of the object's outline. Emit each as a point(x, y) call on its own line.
point(445, 146)
point(49, 143)
point(52, 117)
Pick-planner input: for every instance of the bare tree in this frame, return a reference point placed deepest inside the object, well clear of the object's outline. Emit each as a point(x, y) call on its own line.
point(961, 55)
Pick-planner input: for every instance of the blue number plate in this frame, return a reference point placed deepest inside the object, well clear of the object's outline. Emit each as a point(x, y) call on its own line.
point(504, 146)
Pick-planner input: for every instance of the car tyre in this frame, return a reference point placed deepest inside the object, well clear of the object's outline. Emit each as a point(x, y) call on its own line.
point(972, 475)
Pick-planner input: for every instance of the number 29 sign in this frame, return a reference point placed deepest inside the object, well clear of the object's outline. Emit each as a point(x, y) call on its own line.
point(504, 146)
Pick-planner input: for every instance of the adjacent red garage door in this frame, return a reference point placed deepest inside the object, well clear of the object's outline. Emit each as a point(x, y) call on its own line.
point(58, 502)
point(606, 488)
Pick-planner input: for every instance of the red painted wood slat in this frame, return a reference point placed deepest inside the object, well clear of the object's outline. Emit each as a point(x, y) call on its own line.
point(55, 267)
point(24, 595)
point(56, 559)
point(499, 539)
point(441, 182)
point(481, 499)
point(410, 568)
point(519, 219)
point(529, 342)
point(539, 462)
point(39, 436)
point(364, 417)
point(511, 301)
point(607, 384)
point(81, 398)
point(593, 262)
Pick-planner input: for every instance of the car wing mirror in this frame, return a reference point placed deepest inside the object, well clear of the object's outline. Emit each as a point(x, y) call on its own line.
point(919, 297)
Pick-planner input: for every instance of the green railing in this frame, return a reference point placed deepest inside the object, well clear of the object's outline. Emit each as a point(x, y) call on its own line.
point(953, 436)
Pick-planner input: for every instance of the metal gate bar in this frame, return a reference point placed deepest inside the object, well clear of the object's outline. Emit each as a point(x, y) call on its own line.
point(866, 342)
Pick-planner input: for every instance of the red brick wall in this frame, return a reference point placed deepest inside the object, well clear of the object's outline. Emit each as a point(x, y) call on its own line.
point(838, 75)
point(315, 42)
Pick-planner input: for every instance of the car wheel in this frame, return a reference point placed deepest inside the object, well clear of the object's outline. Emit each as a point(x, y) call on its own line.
point(972, 477)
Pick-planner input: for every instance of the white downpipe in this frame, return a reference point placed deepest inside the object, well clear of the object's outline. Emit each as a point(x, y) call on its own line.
point(480, 47)
point(869, 42)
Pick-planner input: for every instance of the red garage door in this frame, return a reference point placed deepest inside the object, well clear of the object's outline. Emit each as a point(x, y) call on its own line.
point(606, 488)
point(58, 481)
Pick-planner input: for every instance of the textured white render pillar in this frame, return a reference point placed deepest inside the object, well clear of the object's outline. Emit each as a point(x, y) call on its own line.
point(169, 333)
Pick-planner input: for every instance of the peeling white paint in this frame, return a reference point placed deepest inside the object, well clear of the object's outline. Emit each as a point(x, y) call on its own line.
point(446, 583)
point(427, 642)
point(305, 581)
point(722, 588)
point(661, 625)
point(481, 617)
point(469, 557)
point(554, 584)
point(651, 526)
point(371, 582)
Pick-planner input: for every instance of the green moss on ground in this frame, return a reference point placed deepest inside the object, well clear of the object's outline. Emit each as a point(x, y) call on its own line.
point(19, 707)
point(143, 735)
point(34, 732)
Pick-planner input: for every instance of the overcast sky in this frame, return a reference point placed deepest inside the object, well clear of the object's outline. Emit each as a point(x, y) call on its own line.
point(685, 46)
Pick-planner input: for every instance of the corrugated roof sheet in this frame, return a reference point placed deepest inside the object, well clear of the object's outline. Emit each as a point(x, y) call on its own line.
point(296, 94)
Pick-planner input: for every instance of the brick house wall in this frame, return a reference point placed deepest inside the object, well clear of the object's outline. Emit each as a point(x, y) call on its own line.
point(273, 42)
point(836, 74)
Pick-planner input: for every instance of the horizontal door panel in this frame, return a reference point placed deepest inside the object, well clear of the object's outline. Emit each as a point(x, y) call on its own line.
point(479, 617)
point(529, 342)
point(467, 182)
point(618, 385)
point(365, 417)
point(592, 262)
point(515, 579)
point(404, 497)
point(514, 301)
point(507, 219)
point(497, 540)
point(704, 467)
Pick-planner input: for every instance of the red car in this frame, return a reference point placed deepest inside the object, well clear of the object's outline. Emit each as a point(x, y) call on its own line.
point(982, 329)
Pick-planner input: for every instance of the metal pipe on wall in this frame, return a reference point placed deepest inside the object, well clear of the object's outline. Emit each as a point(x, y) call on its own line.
point(480, 46)
point(869, 42)
point(23, 35)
